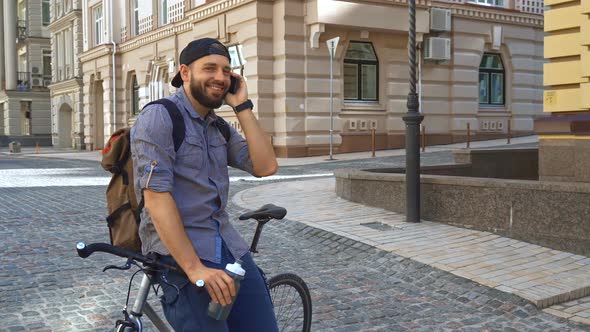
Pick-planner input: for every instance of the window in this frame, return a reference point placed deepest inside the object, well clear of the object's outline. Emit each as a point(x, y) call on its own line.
point(135, 100)
point(46, 13)
point(492, 3)
point(163, 12)
point(237, 59)
point(135, 17)
point(491, 80)
point(47, 64)
point(98, 25)
point(361, 72)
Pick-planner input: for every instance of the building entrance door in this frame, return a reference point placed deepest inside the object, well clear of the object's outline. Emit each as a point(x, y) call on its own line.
point(65, 126)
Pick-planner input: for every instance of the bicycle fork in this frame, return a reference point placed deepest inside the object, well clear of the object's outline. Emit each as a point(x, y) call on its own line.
point(141, 306)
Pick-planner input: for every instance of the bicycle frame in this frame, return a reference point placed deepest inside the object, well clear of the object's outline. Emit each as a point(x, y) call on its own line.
point(141, 306)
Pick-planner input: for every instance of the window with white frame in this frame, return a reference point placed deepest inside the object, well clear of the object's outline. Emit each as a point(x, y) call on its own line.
point(164, 18)
point(45, 12)
point(197, 3)
point(237, 59)
point(491, 80)
point(135, 9)
point(361, 72)
point(492, 3)
point(98, 25)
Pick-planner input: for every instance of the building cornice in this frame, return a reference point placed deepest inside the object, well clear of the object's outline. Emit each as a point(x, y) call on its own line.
point(492, 14)
point(202, 12)
point(65, 20)
point(65, 86)
point(96, 52)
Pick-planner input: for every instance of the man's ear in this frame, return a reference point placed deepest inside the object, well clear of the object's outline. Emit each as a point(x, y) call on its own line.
point(185, 72)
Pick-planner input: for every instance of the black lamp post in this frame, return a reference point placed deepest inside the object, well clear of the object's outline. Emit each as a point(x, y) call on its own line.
point(412, 119)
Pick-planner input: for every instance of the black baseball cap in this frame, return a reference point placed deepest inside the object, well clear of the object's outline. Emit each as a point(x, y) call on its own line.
point(196, 50)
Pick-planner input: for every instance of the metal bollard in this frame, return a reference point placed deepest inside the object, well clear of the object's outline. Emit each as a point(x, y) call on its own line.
point(373, 142)
point(468, 135)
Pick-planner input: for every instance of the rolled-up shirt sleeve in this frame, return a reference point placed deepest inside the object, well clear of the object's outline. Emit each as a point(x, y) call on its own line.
point(152, 150)
point(238, 155)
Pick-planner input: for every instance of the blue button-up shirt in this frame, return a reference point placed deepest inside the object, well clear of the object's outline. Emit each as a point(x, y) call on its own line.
point(196, 175)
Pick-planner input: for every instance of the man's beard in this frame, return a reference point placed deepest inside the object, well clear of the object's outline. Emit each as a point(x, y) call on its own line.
point(197, 91)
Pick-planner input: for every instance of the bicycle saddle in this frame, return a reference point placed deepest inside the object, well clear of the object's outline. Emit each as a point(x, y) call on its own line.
point(268, 211)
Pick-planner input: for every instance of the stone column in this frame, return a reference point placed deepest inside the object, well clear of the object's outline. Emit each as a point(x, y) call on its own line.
point(1, 48)
point(10, 65)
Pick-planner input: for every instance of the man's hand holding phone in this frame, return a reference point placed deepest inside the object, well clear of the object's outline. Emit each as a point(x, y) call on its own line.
point(238, 92)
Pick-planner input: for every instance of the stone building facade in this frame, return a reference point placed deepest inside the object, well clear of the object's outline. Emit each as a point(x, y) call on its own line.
point(480, 64)
point(67, 111)
point(25, 72)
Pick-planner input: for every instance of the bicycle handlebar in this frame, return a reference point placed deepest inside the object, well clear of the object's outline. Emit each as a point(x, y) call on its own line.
point(86, 250)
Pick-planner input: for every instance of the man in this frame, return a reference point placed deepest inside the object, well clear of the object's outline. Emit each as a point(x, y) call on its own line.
point(186, 192)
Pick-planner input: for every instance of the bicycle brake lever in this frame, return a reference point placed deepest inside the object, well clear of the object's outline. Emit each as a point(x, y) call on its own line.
point(123, 267)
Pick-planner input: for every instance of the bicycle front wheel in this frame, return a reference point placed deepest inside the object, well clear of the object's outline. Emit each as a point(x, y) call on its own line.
point(292, 302)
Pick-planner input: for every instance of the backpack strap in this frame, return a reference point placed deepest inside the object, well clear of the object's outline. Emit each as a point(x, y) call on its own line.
point(119, 166)
point(113, 216)
point(178, 129)
point(223, 128)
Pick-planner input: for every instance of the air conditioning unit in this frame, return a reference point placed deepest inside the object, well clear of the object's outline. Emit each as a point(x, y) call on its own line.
point(36, 82)
point(440, 19)
point(437, 48)
point(46, 82)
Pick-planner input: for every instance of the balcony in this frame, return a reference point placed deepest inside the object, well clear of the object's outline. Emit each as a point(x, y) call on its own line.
point(21, 30)
point(23, 82)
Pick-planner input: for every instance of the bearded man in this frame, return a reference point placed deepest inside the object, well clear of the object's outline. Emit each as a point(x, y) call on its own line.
point(186, 191)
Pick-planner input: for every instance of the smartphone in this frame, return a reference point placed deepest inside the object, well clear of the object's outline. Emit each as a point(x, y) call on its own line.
point(234, 85)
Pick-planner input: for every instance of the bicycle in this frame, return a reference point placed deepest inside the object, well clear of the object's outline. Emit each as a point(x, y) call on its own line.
point(289, 293)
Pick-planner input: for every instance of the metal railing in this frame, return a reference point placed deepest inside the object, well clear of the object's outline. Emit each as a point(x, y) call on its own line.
point(23, 81)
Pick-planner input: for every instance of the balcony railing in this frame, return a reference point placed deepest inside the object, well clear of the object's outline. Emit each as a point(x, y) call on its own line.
point(145, 25)
point(21, 30)
point(23, 81)
point(124, 34)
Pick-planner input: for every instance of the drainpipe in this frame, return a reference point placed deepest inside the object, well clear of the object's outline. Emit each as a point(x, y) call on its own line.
point(114, 68)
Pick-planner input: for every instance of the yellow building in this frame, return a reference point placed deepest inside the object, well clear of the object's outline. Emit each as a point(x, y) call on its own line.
point(564, 151)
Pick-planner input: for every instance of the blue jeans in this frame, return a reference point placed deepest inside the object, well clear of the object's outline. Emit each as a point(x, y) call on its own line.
point(186, 309)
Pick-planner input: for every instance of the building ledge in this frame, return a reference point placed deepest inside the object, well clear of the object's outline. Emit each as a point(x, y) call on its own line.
point(96, 52)
point(69, 84)
point(65, 20)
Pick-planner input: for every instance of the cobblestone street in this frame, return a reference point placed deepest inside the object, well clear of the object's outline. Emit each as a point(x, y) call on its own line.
point(45, 286)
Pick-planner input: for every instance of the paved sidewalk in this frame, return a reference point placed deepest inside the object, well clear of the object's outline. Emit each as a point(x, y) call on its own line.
point(50, 152)
point(541, 275)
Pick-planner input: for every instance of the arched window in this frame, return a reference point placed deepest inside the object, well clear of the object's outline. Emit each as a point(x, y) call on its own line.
point(491, 80)
point(361, 72)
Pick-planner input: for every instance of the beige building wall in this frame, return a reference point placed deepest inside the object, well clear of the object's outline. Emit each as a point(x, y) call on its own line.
point(25, 114)
point(67, 112)
point(288, 66)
